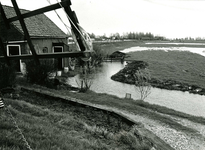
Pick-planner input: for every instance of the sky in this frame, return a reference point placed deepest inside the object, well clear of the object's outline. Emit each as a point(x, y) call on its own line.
point(169, 18)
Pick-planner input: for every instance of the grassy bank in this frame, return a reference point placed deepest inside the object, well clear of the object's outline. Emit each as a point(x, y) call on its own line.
point(183, 67)
point(49, 125)
point(137, 107)
point(180, 66)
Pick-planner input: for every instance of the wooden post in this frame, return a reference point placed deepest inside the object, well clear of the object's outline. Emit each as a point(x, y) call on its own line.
point(26, 33)
point(128, 96)
point(81, 84)
point(39, 11)
point(4, 52)
point(1, 42)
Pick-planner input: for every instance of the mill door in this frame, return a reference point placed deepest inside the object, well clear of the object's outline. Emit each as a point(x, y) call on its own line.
point(14, 50)
point(58, 61)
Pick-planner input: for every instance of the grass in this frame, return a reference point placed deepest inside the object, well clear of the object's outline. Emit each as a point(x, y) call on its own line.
point(136, 107)
point(183, 67)
point(139, 107)
point(52, 125)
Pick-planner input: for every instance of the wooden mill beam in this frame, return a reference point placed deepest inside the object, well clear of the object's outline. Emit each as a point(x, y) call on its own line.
point(41, 10)
point(45, 55)
point(4, 52)
point(23, 25)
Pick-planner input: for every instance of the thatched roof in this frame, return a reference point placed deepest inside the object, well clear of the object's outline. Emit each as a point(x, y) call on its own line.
point(38, 26)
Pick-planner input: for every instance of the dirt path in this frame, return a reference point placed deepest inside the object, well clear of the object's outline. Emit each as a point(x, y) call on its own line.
point(179, 140)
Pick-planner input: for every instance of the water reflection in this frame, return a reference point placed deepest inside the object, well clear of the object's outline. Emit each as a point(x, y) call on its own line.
point(181, 101)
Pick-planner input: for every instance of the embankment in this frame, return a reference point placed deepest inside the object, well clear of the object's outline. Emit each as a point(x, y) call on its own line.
point(173, 70)
point(126, 75)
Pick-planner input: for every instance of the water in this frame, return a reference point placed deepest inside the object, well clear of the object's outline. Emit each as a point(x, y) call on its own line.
point(175, 43)
point(181, 101)
point(197, 50)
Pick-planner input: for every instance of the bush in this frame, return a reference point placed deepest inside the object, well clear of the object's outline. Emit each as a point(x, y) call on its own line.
point(85, 83)
point(7, 75)
point(39, 74)
point(142, 82)
point(97, 55)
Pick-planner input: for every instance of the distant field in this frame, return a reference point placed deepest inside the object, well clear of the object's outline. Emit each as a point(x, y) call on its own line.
point(110, 47)
point(184, 67)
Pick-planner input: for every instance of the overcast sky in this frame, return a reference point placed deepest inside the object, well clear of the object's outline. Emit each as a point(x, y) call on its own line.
point(169, 18)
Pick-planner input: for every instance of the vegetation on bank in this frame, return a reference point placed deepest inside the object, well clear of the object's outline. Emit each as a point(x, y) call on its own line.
point(136, 107)
point(48, 124)
point(133, 106)
point(183, 67)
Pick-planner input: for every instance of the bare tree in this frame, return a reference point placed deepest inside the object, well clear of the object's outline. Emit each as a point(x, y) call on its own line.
point(85, 83)
point(142, 78)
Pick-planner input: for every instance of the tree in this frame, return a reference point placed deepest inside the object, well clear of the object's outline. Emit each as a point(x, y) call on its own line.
point(92, 35)
point(142, 85)
point(85, 82)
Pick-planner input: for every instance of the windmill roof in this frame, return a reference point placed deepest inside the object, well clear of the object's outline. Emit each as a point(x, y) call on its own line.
point(38, 26)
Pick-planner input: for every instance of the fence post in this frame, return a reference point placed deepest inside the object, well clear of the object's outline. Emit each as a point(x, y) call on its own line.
point(128, 96)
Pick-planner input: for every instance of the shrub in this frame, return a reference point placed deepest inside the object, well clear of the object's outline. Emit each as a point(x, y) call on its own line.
point(39, 74)
point(7, 75)
point(142, 82)
point(85, 83)
point(135, 142)
point(97, 56)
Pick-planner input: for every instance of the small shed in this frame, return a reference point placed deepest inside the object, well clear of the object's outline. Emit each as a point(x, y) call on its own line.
point(118, 54)
point(45, 35)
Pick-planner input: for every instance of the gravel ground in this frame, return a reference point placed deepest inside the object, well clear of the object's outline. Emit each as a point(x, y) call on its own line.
point(179, 140)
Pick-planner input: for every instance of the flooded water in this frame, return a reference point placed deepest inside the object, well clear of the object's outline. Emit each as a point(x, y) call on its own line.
point(175, 43)
point(197, 50)
point(181, 101)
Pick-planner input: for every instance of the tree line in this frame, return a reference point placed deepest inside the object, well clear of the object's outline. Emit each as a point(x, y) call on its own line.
point(128, 35)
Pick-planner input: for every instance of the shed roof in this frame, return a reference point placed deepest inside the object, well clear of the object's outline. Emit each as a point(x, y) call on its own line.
point(118, 52)
point(38, 26)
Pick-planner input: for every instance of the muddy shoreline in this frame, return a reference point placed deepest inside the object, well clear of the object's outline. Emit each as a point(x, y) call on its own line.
point(126, 76)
